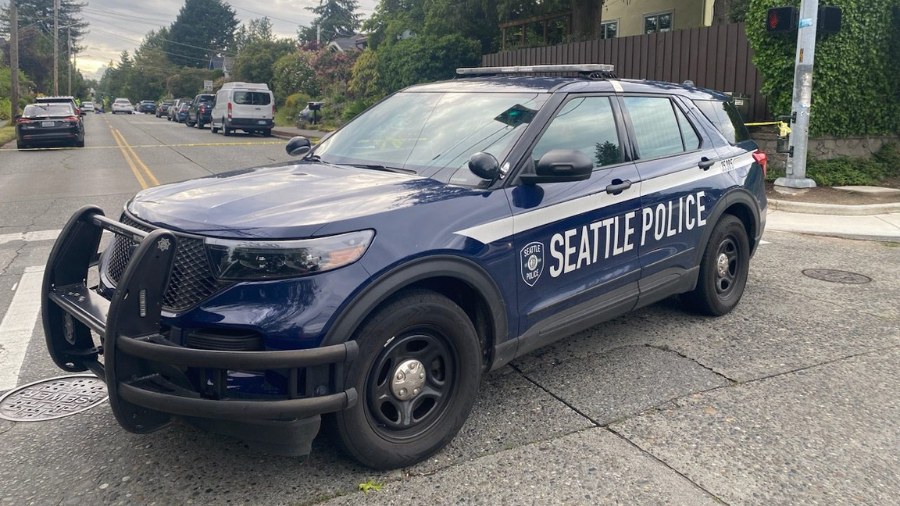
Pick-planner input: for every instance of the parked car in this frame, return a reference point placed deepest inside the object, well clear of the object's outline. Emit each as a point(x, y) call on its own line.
point(181, 114)
point(147, 107)
point(200, 110)
point(243, 106)
point(87, 107)
point(122, 105)
point(173, 111)
point(441, 234)
point(49, 124)
point(163, 108)
point(60, 100)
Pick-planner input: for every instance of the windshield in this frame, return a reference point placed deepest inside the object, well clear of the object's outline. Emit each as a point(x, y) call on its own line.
point(48, 110)
point(428, 133)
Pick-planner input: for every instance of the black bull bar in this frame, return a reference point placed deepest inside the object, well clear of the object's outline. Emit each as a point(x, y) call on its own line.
point(142, 369)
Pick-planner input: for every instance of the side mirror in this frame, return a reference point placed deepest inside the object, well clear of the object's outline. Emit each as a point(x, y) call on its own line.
point(298, 146)
point(560, 166)
point(485, 166)
point(17, 117)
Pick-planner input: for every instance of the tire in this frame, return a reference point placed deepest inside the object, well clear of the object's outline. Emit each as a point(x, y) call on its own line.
point(267, 132)
point(225, 130)
point(21, 145)
point(212, 127)
point(199, 123)
point(723, 269)
point(385, 430)
point(79, 144)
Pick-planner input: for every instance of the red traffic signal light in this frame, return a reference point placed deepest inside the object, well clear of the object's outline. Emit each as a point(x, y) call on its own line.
point(782, 19)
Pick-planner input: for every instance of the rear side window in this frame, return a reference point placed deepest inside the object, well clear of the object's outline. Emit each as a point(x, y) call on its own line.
point(659, 127)
point(726, 119)
point(252, 98)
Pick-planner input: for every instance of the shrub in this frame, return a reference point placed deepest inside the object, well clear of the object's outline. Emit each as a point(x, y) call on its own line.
point(855, 85)
point(293, 73)
point(293, 104)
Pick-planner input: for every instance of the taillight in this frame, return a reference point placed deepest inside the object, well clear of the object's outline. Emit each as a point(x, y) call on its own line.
point(229, 110)
point(273, 110)
point(761, 159)
point(72, 119)
point(22, 121)
point(202, 108)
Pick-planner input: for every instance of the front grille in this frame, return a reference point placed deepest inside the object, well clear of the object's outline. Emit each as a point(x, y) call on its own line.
point(191, 281)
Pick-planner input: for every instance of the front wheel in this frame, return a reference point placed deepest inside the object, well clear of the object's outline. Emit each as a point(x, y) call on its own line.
point(723, 269)
point(417, 376)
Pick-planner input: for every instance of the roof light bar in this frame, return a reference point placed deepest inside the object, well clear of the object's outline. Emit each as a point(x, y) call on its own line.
point(536, 69)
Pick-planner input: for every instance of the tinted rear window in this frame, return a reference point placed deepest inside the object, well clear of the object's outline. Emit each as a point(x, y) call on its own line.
point(726, 118)
point(251, 98)
point(50, 109)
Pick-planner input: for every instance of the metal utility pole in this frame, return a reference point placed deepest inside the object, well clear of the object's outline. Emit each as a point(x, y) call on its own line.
point(55, 47)
point(802, 99)
point(14, 59)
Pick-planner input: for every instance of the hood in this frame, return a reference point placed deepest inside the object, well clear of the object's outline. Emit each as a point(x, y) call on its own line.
point(283, 202)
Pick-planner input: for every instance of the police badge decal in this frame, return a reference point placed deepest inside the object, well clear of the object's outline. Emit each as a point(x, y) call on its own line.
point(532, 259)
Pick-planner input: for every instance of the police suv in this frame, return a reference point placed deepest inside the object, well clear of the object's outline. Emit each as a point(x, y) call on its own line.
point(444, 232)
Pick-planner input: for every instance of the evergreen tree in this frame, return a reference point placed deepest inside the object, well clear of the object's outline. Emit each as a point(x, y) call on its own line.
point(203, 29)
point(335, 18)
point(36, 38)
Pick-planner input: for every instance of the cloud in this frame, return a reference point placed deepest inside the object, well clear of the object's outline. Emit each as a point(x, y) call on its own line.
point(117, 26)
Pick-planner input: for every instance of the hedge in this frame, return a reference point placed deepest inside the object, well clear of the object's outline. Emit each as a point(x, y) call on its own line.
point(856, 79)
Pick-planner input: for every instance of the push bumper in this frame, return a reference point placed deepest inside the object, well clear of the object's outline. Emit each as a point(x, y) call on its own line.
point(150, 378)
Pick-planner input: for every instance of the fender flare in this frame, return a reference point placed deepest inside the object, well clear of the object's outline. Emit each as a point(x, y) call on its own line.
point(354, 313)
point(739, 196)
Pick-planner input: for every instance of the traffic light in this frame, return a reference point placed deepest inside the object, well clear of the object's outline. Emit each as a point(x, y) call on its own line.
point(829, 20)
point(781, 19)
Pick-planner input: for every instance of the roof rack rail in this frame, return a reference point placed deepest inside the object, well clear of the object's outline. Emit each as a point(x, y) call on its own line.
point(592, 70)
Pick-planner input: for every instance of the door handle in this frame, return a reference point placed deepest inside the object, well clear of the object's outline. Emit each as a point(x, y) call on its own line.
point(706, 163)
point(618, 186)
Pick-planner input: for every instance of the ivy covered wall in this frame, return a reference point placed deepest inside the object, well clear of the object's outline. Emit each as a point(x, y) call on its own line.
point(856, 80)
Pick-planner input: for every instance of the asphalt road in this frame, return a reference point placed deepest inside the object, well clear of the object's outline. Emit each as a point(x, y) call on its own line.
point(792, 398)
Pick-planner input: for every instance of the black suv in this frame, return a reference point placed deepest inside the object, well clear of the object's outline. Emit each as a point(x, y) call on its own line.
point(200, 112)
point(449, 229)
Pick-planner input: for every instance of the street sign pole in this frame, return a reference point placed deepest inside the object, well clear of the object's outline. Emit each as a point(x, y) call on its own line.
point(802, 99)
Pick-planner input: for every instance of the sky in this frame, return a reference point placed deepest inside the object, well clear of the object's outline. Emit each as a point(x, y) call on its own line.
point(117, 25)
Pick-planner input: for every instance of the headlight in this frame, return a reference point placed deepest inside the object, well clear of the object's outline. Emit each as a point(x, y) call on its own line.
point(258, 260)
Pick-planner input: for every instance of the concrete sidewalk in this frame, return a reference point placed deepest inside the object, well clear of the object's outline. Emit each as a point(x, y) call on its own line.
point(875, 222)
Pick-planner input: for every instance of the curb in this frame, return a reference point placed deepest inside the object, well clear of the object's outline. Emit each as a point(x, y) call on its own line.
point(834, 209)
point(281, 134)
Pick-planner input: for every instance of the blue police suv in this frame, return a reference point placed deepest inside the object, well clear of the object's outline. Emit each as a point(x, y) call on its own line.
point(449, 229)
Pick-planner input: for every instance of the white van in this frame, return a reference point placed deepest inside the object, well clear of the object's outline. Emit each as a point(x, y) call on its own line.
point(243, 106)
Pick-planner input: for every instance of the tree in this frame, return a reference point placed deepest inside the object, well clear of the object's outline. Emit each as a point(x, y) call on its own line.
point(256, 61)
point(202, 29)
point(36, 37)
point(293, 73)
point(335, 18)
point(255, 30)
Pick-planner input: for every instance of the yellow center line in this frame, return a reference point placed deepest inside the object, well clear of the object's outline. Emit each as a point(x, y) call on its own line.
point(139, 146)
point(134, 169)
point(150, 177)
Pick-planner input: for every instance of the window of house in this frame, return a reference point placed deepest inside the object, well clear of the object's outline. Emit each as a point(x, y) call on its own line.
point(609, 29)
point(656, 127)
point(585, 124)
point(661, 22)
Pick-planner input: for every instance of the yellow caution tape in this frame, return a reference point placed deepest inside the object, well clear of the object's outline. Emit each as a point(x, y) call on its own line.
point(783, 128)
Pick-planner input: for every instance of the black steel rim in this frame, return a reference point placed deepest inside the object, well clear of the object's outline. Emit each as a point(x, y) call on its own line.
point(399, 419)
point(725, 281)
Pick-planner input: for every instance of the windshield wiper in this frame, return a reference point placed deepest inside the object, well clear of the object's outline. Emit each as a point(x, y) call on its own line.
point(381, 168)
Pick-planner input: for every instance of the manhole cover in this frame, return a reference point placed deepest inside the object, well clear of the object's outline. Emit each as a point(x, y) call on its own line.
point(836, 276)
point(52, 398)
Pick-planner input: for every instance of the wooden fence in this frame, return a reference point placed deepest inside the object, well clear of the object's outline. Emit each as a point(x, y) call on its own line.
point(717, 57)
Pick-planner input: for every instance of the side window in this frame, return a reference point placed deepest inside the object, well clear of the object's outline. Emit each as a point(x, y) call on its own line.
point(688, 134)
point(726, 118)
point(585, 124)
point(656, 129)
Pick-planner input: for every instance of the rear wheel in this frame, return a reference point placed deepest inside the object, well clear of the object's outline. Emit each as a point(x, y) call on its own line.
point(212, 128)
point(267, 132)
point(199, 122)
point(225, 130)
point(417, 376)
point(21, 145)
point(723, 269)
